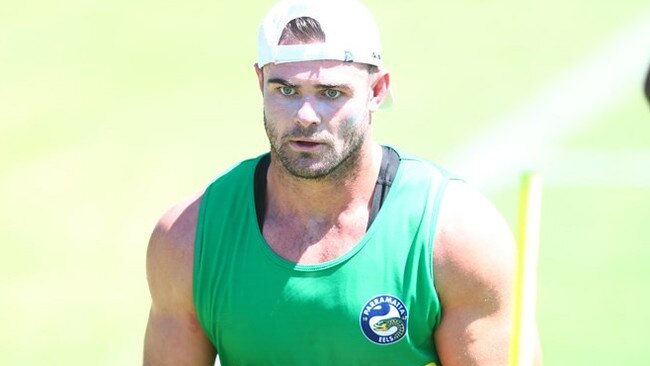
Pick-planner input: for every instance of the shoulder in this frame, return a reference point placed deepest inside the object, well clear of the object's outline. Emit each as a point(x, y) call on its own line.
point(474, 247)
point(418, 166)
point(170, 254)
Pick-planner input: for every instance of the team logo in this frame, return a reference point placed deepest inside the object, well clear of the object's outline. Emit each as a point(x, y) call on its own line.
point(384, 319)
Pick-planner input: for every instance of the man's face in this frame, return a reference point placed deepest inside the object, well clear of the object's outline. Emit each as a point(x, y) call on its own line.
point(316, 115)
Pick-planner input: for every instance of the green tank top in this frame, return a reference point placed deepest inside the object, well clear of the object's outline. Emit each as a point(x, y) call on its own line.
point(376, 304)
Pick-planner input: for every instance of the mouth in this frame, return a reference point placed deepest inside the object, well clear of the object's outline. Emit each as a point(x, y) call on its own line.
point(305, 145)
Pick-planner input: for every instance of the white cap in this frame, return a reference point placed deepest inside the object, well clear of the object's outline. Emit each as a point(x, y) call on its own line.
point(351, 33)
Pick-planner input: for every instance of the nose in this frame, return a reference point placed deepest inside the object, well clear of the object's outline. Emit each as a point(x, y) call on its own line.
point(307, 114)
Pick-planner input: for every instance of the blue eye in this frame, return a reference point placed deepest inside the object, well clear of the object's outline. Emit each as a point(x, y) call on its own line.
point(332, 93)
point(287, 90)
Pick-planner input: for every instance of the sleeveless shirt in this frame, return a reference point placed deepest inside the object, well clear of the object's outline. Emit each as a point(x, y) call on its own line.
point(376, 303)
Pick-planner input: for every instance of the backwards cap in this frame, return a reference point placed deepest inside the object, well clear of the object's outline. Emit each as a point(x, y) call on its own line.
point(351, 33)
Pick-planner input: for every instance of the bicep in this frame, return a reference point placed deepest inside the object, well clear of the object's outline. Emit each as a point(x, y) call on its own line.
point(471, 337)
point(176, 339)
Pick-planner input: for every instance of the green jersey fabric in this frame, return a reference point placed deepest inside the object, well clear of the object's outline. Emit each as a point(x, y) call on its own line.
point(376, 304)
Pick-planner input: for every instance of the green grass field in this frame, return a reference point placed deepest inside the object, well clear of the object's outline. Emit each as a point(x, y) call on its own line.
point(112, 111)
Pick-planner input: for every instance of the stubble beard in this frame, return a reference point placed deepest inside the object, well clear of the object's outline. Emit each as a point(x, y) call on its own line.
point(331, 165)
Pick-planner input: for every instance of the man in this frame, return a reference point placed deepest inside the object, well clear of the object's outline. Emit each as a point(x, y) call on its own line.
point(331, 249)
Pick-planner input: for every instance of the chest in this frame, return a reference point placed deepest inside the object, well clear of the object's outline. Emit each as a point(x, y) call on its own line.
point(314, 243)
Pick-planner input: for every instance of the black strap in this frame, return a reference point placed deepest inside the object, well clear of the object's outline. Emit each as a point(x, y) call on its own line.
point(387, 171)
point(259, 185)
point(389, 164)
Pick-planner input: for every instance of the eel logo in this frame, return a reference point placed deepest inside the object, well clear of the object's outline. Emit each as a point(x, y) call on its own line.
point(384, 319)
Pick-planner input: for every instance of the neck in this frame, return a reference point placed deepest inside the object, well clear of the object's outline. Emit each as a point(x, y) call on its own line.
point(327, 199)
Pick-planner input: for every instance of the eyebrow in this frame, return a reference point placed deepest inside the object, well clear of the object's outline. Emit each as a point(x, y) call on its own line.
point(334, 86)
point(318, 86)
point(281, 82)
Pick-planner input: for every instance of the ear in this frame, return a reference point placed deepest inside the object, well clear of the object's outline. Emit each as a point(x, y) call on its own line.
point(260, 77)
point(379, 89)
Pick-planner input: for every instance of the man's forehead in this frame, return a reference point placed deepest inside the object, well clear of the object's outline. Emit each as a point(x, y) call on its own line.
point(323, 70)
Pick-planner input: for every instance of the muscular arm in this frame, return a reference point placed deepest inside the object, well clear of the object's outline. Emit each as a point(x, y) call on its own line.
point(474, 262)
point(174, 335)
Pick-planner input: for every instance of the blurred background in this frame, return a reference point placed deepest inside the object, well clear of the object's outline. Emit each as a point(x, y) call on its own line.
point(112, 111)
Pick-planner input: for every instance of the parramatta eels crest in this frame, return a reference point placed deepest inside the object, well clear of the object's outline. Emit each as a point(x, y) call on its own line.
point(384, 319)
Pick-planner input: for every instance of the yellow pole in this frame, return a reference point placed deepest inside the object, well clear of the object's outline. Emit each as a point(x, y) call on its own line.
point(522, 341)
